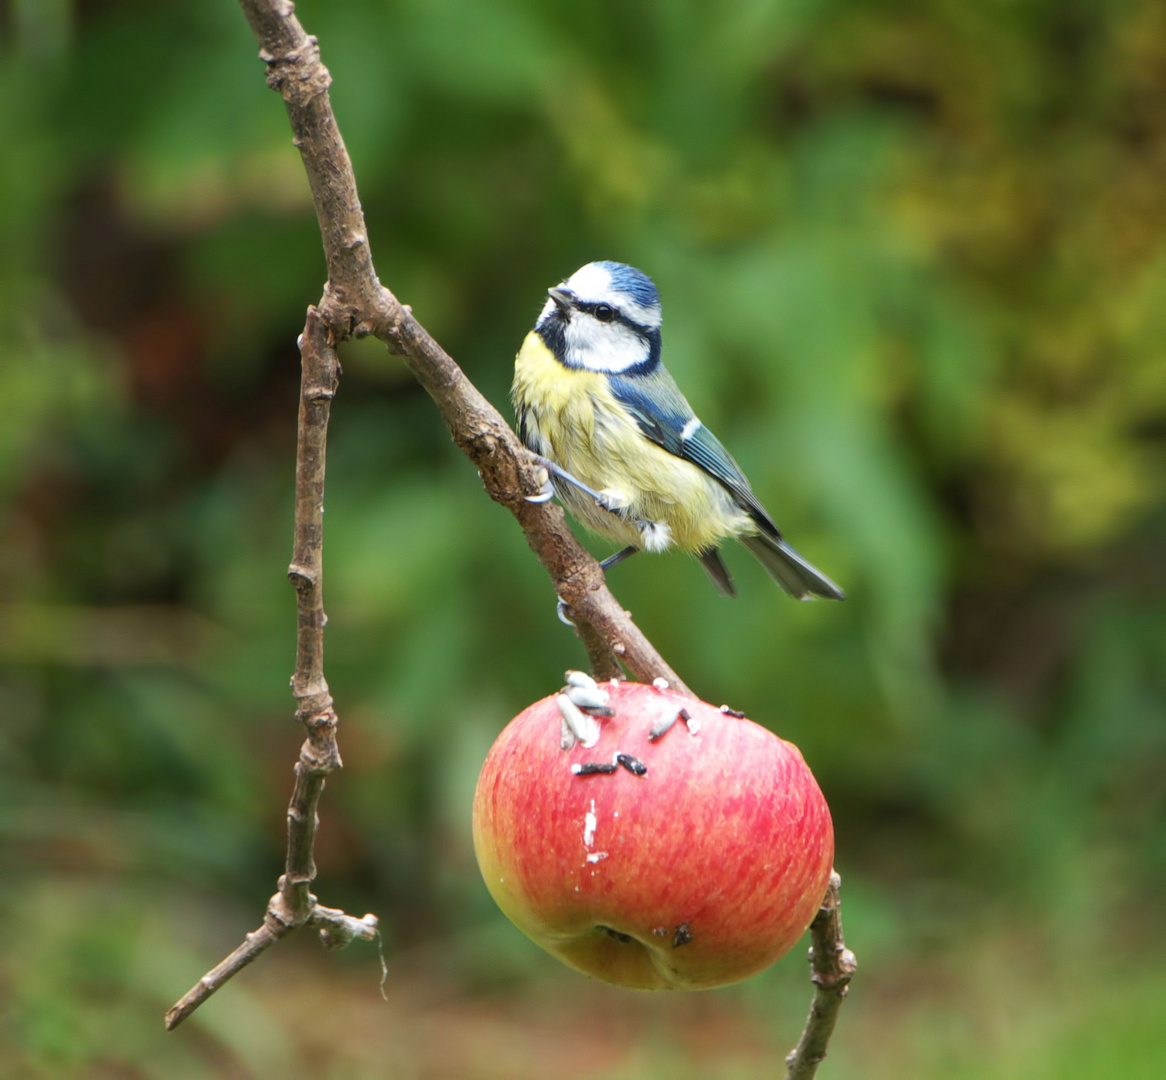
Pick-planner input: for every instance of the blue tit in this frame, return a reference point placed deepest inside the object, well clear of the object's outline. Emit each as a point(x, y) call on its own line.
point(630, 459)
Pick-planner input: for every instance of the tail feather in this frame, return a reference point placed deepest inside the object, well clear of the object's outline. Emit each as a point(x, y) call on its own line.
point(801, 580)
point(717, 570)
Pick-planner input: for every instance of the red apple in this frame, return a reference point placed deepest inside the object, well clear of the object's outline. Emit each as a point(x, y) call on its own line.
point(701, 872)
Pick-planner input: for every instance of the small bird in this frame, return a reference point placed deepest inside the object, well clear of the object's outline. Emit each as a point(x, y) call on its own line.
point(629, 457)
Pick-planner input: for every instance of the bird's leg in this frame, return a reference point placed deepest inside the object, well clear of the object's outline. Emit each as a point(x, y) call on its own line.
point(560, 473)
point(605, 565)
point(601, 500)
point(618, 557)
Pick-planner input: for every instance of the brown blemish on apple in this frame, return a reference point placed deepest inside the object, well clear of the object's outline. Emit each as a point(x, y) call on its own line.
point(683, 935)
point(619, 935)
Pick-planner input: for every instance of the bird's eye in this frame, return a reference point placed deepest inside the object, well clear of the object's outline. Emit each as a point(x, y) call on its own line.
point(604, 313)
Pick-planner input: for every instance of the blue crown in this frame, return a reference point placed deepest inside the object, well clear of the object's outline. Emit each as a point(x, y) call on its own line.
point(635, 283)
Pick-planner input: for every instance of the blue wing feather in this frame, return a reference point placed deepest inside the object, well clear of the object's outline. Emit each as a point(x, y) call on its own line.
point(662, 414)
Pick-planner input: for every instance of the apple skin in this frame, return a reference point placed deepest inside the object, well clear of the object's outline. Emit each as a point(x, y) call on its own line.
point(700, 873)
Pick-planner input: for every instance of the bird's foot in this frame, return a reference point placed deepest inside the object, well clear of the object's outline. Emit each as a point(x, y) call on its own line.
point(546, 492)
point(604, 501)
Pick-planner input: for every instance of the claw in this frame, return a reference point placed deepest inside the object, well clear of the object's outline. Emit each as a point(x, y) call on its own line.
point(561, 610)
point(544, 493)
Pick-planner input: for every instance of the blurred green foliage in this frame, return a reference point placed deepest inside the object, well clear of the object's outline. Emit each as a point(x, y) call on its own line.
point(913, 261)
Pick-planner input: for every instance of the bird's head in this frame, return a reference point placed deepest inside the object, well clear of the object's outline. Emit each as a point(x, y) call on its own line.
point(605, 317)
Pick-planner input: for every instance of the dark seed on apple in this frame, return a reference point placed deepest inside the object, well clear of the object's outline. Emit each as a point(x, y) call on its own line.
point(633, 765)
point(593, 768)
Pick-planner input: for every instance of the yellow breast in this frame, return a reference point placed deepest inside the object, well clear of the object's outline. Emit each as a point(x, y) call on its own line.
point(542, 383)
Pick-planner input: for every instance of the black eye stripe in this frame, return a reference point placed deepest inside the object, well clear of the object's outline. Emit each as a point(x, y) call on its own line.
point(592, 307)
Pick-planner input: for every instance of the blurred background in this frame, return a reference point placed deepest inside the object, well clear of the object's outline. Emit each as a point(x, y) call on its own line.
point(913, 262)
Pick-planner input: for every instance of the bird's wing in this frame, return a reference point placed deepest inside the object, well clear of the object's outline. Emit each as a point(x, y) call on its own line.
point(665, 417)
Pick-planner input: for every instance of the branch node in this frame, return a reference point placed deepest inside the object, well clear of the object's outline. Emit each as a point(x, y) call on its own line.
point(302, 576)
point(338, 930)
point(833, 964)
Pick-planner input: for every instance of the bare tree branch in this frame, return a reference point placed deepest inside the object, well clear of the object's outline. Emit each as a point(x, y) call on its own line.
point(832, 964)
point(354, 303)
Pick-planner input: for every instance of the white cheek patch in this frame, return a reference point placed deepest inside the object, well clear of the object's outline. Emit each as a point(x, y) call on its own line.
point(596, 346)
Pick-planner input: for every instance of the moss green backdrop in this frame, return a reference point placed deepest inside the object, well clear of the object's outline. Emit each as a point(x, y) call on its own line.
point(913, 263)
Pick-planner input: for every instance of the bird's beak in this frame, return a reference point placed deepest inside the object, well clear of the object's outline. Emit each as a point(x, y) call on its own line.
point(562, 297)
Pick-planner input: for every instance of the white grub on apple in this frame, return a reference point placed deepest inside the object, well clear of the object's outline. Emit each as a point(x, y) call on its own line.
point(596, 856)
point(585, 694)
point(566, 735)
point(736, 714)
point(683, 935)
point(592, 768)
point(665, 724)
point(590, 701)
point(633, 765)
point(581, 679)
point(590, 823)
point(585, 728)
point(660, 683)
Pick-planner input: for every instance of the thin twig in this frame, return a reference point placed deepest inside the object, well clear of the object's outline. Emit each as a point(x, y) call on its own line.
point(294, 905)
point(832, 964)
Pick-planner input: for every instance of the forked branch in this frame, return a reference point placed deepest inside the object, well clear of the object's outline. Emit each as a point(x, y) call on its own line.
point(293, 905)
point(354, 303)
